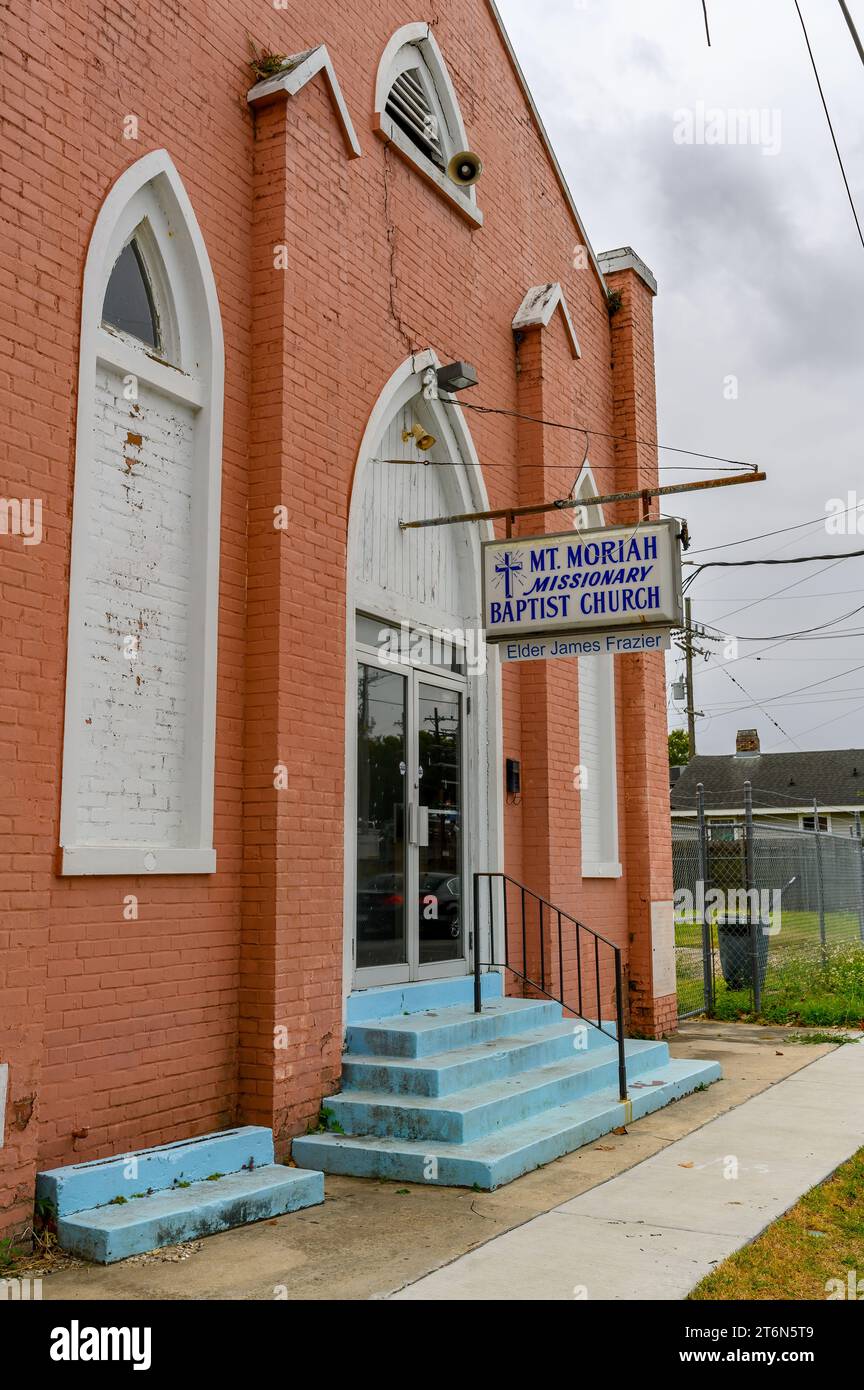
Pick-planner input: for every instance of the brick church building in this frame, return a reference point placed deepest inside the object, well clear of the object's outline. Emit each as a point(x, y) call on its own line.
point(227, 293)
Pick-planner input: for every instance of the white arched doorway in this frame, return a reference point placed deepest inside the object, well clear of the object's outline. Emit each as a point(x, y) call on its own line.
point(423, 783)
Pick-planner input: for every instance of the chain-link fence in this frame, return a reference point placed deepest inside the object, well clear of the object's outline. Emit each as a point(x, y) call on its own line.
point(762, 909)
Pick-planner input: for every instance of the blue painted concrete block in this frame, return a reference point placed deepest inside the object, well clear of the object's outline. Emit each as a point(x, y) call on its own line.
point(115, 1232)
point(80, 1186)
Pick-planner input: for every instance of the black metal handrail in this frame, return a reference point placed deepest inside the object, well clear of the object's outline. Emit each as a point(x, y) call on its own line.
point(562, 916)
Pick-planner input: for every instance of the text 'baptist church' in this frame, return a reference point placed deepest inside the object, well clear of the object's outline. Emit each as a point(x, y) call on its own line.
point(620, 587)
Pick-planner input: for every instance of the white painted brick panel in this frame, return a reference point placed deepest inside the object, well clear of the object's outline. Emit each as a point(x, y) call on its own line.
point(138, 585)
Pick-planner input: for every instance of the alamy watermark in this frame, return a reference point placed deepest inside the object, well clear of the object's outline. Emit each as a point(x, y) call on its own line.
point(851, 1287)
point(759, 905)
point(443, 647)
point(21, 516)
point(716, 125)
point(77, 1343)
point(22, 1290)
point(845, 515)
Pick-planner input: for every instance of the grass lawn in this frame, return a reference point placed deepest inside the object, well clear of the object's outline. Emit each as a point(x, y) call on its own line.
point(796, 929)
point(803, 989)
point(820, 1239)
point(800, 985)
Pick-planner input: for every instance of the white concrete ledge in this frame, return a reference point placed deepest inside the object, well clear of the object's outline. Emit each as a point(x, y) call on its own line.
point(625, 258)
point(135, 859)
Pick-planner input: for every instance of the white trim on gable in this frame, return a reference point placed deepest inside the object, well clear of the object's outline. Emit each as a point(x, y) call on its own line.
point(298, 70)
point(537, 308)
point(455, 139)
point(151, 190)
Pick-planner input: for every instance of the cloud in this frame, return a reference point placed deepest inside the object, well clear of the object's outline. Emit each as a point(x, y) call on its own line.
point(761, 277)
point(729, 231)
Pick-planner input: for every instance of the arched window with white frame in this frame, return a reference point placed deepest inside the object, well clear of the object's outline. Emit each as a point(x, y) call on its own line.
point(597, 742)
point(139, 738)
point(417, 111)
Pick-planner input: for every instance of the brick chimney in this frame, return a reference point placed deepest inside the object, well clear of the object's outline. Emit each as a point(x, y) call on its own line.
point(747, 741)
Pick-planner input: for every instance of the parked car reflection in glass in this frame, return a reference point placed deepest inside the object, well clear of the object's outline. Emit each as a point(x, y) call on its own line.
point(381, 899)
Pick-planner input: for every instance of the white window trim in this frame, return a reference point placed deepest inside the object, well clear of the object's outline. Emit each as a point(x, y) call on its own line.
point(584, 490)
point(601, 870)
point(198, 381)
point(420, 36)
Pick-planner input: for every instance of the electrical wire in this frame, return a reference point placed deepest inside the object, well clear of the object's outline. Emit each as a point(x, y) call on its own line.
point(852, 30)
point(830, 126)
point(548, 467)
point(783, 636)
point(755, 702)
point(603, 434)
point(777, 592)
point(793, 560)
point(847, 714)
point(707, 30)
point(766, 535)
point(794, 598)
point(722, 707)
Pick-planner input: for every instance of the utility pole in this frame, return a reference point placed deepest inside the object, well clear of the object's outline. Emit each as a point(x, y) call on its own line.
point(852, 30)
point(691, 703)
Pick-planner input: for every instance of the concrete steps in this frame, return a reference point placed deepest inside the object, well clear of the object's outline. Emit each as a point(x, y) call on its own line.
point(446, 1029)
point(108, 1209)
point(444, 1073)
point(447, 1096)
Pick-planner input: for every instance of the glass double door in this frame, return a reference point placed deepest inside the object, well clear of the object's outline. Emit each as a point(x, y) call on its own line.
point(410, 922)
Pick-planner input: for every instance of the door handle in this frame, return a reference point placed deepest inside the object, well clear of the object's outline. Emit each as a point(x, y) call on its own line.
point(418, 823)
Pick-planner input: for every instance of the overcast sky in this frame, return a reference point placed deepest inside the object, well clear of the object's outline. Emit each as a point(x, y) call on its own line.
point(761, 278)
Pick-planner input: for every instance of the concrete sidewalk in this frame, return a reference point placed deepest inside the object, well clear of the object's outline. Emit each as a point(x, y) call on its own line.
point(654, 1231)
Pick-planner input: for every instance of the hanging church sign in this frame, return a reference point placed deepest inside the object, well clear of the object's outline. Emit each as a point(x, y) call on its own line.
point(615, 589)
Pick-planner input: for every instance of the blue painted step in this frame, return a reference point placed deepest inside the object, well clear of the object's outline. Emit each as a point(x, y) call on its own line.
point(114, 1233)
point(443, 1030)
point(110, 1208)
point(496, 1159)
point(482, 1109)
point(387, 1000)
point(433, 1092)
point(442, 1074)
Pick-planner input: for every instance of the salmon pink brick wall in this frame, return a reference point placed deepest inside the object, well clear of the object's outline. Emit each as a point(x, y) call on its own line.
point(122, 1031)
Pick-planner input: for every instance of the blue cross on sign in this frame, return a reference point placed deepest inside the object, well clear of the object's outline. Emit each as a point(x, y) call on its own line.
point(508, 567)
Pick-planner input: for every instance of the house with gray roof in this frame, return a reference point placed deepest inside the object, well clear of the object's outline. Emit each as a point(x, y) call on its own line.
point(784, 786)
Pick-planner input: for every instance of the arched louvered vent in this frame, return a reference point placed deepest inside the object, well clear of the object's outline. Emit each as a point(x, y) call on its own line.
point(408, 105)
